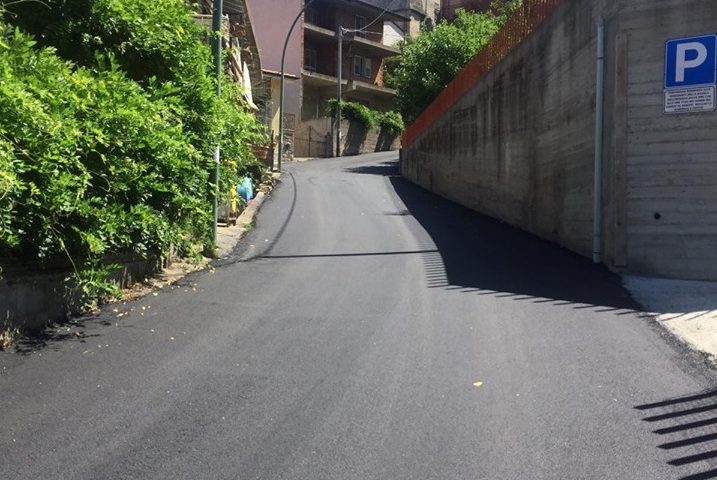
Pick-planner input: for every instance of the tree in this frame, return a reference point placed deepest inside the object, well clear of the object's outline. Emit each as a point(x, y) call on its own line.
point(429, 62)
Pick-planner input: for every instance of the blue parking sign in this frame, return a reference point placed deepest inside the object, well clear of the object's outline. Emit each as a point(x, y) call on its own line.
point(691, 62)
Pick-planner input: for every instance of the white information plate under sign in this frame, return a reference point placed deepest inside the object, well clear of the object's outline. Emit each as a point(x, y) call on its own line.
point(686, 100)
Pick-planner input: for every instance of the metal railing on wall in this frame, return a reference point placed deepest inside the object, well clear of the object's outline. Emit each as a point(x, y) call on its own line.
point(523, 21)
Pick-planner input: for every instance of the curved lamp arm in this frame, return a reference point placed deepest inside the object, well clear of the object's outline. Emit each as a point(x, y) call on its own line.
point(281, 94)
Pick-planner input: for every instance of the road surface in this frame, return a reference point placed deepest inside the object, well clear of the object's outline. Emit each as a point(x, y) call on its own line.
point(365, 329)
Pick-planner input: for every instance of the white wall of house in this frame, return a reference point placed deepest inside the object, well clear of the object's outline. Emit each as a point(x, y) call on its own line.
point(392, 33)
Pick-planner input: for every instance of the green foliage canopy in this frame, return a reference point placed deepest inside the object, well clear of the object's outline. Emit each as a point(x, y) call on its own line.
point(156, 43)
point(428, 63)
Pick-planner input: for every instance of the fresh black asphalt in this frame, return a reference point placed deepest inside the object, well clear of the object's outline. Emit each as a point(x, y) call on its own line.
point(365, 329)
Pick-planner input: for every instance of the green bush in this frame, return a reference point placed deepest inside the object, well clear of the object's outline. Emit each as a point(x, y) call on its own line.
point(157, 44)
point(391, 121)
point(238, 130)
point(108, 122)
point(429, 62)
point(368, 118)
point(354, 111)
point(95, 164)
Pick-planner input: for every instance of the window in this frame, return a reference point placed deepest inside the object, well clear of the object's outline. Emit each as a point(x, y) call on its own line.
point(310, 58)
point(362, 66)
point(359, 25)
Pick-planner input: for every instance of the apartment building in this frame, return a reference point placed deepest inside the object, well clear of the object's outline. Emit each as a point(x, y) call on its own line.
point(415, 12)
point(311, 59)
point(363, 53)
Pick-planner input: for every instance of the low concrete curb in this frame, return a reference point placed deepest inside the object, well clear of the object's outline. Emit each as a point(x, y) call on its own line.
point(687, 309)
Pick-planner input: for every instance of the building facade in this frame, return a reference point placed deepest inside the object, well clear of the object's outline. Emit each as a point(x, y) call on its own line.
point(369, 35)
point(449, 7)
point(415, 12)
point(272, 20)
point(363, 52)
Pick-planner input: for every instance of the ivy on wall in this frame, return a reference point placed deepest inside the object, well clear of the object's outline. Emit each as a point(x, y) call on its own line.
point(390, 121)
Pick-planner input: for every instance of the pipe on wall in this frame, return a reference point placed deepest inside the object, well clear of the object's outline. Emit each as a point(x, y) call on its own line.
point(599, 116)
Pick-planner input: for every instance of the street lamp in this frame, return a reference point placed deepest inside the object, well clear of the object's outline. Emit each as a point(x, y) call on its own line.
point(339, 74)
point(281, 93)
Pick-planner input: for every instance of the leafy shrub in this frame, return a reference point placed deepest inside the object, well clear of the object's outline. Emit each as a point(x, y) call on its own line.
point(108, 121)
point(96, 164)
point(158, 44)
point(238, 130)
point(354, 111)
point(429, 62)
point(391, 121)
point(370, 119)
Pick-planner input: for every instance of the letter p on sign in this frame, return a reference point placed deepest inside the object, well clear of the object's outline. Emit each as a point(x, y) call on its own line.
point(684, 64)
point(691, 62)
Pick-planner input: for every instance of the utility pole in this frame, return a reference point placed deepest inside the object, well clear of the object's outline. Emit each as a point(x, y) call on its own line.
point(217, 50)
point(339, 74)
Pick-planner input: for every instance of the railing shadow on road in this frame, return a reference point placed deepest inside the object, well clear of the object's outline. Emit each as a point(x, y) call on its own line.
point(688, 425)
point(478, 254)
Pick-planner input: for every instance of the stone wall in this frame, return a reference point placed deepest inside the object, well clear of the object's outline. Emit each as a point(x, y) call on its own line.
point(31, 295)
point(355, 139)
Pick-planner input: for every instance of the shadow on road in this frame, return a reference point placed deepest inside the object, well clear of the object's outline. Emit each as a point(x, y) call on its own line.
point(382, 168)
point(477, 253)
point(689, 427)
point(73, 330)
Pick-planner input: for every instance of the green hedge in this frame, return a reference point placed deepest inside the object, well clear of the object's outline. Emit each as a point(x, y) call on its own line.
point(108, 121)
point(159, 45)
point(92, 163)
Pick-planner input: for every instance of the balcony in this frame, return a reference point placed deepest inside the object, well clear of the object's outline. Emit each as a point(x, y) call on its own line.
point(319, 80)
point(369, 88)
point(362, 46)
point(320, 34)
point(370, 48)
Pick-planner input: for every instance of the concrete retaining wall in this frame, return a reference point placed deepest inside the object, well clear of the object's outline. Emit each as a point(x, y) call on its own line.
point(519, 146)
point(355, 139)
point(31, 296)
point(668, 162)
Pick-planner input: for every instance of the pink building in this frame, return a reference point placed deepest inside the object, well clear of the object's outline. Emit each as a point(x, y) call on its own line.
point(271, 20)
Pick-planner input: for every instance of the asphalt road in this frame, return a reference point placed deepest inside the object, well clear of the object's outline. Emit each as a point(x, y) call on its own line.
point(365, 329)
